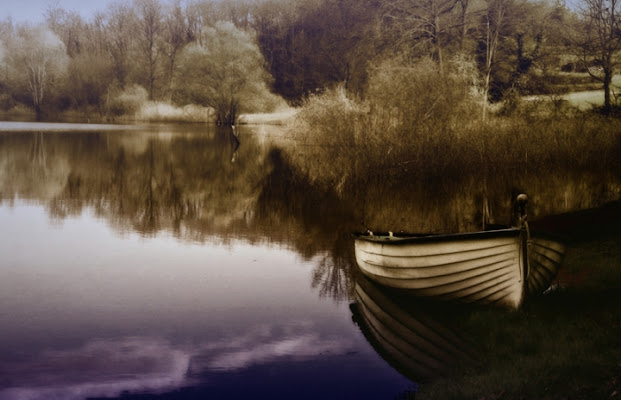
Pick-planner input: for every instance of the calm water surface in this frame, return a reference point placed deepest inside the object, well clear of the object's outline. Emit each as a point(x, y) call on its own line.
point(134, 262)
point(174, 262)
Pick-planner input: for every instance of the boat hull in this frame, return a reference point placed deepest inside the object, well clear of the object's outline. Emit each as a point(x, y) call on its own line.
point(545, 256)
point(482, 267)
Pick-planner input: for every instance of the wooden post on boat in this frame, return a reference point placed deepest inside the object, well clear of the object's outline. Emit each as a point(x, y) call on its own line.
point(522, 201)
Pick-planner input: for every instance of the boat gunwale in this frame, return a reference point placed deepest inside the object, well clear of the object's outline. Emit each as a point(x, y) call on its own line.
point(404, 238)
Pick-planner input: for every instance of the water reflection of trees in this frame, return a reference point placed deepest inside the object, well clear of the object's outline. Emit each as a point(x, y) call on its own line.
point(38, 155)
point(316, 224)
point(149, 184)
point(30, 166)
point(467, 203)
point(201, 186)
point(185, 183)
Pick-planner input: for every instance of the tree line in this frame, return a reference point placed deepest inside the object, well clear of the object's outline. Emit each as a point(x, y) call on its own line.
point(232, 55)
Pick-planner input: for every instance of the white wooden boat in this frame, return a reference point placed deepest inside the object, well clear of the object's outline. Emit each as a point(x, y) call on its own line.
point(498, 266)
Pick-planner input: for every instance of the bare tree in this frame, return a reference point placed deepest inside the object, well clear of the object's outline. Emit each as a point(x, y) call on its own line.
point(426, 22)
point(174, 37)
point(599, 41)
point(37, 58)
point(68, 25)
point(149, 39)
point(194, 21)
point(463, 21)
point(120, 28)
point(494, 22)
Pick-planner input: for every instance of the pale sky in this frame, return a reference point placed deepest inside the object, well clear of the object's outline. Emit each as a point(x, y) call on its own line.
point(34, 10)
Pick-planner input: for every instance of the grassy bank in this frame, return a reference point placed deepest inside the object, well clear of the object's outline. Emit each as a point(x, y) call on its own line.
point(132, 104)
point(567, 349)
point(564, 345)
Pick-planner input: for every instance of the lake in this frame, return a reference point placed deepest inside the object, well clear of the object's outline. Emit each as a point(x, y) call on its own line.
point(182, 261)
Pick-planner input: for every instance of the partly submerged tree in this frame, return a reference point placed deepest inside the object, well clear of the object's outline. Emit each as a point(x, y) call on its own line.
point(223, 72)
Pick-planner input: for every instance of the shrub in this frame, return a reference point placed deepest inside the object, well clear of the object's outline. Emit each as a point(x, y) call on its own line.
point(409, 120)
point(329, 132)
point(263, 101)
point(6, 102)
point(127, 102)
point(155, 111)
point(419, 107)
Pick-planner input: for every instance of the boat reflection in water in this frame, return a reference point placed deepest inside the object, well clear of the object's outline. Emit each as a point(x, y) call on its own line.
point(403, 331)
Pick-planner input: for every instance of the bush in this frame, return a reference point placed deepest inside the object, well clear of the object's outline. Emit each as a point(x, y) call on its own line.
point(6, 102)
point(329, 132)
point(418, 124)
point(263, 101)
point(157, 111)
point(127, 102)
point(419, 98)
point(411, 117)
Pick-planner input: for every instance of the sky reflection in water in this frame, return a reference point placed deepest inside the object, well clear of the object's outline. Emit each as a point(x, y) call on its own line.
point(88, 312)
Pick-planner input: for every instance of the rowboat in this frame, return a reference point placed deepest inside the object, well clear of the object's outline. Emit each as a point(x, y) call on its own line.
point(501, 266)
point(414, 338)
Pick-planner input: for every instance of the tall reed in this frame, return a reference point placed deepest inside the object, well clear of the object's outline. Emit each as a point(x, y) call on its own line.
point(418, 123)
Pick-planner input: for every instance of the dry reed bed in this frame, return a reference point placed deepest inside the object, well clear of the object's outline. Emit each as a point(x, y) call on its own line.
point(341, 142)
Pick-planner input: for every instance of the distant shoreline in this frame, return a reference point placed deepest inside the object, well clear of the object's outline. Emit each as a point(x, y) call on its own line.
point(18, 120)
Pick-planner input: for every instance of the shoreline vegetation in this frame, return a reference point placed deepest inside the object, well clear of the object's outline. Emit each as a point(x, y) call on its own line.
point(586, 98)
point(204, 61)
point(160, 112)
point(415, 123)
point(423, 125)
point(418, 125)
